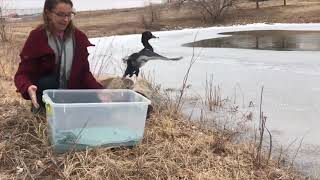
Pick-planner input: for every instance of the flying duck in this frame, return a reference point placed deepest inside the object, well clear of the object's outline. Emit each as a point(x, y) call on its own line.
point(136, 60)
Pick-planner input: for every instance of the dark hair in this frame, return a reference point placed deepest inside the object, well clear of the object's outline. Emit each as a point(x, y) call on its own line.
point(49, 5)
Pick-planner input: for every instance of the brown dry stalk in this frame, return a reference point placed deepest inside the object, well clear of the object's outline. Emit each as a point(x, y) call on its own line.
point(172, 148)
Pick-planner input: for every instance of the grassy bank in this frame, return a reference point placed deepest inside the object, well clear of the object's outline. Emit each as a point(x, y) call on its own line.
point(172, 148)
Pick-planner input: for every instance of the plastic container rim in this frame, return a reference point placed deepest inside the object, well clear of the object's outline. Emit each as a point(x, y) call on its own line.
point(47, 99)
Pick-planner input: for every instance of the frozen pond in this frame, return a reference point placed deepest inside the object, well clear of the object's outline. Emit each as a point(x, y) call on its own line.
point(291, 99)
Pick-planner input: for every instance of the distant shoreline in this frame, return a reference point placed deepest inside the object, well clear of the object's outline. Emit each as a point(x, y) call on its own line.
point(37, 10)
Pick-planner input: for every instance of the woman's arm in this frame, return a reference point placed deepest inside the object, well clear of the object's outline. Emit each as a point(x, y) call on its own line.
point(27, 66)
point(22, 79)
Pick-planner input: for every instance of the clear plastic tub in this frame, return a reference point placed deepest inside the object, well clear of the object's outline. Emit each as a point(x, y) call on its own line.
point(78, 119)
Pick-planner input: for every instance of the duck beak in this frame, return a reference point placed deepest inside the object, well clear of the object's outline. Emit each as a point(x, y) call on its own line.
point(154, 36)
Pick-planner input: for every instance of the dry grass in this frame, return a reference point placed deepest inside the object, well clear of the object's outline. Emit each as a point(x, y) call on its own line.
point(128, 21)
point(172, 148)
point(9, 60)
point(213, 95)
point(9, 54)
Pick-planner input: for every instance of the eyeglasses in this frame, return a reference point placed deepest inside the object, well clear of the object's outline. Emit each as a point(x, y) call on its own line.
point(64, 15)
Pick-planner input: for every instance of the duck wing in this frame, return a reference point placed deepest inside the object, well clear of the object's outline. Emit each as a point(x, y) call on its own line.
point(146, 55)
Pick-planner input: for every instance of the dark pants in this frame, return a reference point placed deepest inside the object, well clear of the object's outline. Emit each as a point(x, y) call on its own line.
point(52, 82)
point(47, 82)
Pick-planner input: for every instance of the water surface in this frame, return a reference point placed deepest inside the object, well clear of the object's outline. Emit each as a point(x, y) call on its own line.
point(279, 40)
point(81, 138)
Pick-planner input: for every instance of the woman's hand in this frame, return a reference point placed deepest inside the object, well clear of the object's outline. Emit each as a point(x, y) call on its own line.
point(104, 97)
point(32, 91)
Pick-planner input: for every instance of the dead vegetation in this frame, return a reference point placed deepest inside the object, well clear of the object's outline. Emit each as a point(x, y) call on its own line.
point(210, 10)
point(173, 16)
point(9, 52)
point(150, 17)
point(9, 48)
point(3, 34)
point(172, 148)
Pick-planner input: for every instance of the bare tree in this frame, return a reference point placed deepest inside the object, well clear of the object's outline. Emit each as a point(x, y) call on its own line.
point(151, 16)
point(3, 34)
point(211, 10)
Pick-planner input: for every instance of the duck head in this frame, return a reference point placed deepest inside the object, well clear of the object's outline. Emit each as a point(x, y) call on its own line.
point(147, 35)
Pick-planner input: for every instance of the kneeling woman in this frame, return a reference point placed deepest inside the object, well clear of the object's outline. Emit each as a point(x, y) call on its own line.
point(54, 56)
